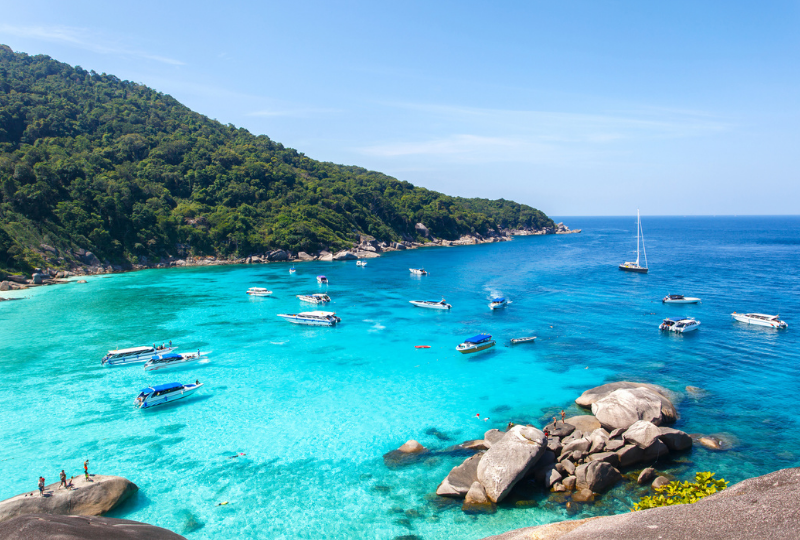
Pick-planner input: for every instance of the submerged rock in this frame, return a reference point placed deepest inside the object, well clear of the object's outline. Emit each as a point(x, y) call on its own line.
point(508, 460)
point(411, 447)
point(646, 476)
point(660, 481)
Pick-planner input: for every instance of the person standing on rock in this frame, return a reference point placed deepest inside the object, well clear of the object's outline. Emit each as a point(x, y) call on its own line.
point(563, 417)
point(63, 476)
point(86, 469)
point(555, 422)
point(41, 486)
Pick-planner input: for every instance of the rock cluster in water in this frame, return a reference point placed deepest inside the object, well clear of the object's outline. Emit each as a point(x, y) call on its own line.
point(582, 455)
point(40, 526)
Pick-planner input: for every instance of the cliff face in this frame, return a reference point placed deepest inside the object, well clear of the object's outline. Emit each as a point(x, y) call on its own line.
point(758, 508)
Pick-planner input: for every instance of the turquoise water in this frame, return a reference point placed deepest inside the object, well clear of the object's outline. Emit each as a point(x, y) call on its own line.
point(314, 409)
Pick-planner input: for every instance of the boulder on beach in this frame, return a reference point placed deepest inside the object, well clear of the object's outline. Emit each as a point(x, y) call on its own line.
point(509, 459)
point(584, 422)
point(476, 501)
point(461, 478)
point(622, 408)
point(39, 526)
point(597, 476)
point(303, 256)
point(642, 434)
point(668, 412)
point(94, 497)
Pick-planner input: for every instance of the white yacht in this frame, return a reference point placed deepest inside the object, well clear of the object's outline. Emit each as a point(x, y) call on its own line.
point(361, 263)
point(317, 298)
point(680, 325)
point(322, 280)
point(498, 303)
point(164, 361)
point(760, 319)
point(634, 266)
point(441, 304)
point(481, 342)
point(164, 393)
point(418, 271)
point(312, 318)
point(258, 291)
point(134, 355)
point(679, 299)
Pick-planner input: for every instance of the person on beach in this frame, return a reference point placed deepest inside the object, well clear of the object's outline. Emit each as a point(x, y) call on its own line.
point(86, 468)
point(63, 476)
point(563, 416)
point(41, 486)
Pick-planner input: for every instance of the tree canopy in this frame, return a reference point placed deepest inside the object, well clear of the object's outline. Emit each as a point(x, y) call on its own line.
point(91, 161)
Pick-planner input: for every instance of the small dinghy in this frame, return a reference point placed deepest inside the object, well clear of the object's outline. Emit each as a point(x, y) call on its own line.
point(258, 291)
point(292, 270)
point(679, 299)
point(523, 339)
point(498, 303)
point(322, 280)
point(418, 271)
point(430, 304)
point(361, 263)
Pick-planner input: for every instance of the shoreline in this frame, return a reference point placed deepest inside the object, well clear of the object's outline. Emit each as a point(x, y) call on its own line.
point(366, 248)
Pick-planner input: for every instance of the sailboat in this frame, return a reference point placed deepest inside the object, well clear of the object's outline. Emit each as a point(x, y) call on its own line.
point(634, 266)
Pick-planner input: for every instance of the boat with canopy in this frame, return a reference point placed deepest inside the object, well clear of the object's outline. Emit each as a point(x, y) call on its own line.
point(322, 280)
point(312, 318)
point(418, 271)
point(161, 394)
point(760, 319)
point(498, 303)
point(481, 342)
point(679, 299)
point(680, 325)
point(258, 291)
point(134, 355)
point(316, 298)
point(164, 361)
point(430, 304)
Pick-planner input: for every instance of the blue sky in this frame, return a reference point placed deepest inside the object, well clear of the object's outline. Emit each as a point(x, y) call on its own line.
point(576, 108)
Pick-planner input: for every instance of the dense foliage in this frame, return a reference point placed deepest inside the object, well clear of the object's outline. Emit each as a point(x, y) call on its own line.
point(91, 161)
point(682, 492)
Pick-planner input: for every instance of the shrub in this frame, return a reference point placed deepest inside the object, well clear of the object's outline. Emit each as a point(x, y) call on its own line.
point(682, 492)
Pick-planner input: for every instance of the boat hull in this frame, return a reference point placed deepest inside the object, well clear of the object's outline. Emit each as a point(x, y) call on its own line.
point(635, 269)
point(434, 305)
point(308, 322)
point(497, 306)
point(137, 358)
point(477, 348)
point(684, 301)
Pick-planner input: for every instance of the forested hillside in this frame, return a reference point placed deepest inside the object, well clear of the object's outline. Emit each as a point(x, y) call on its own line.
point(91, 161)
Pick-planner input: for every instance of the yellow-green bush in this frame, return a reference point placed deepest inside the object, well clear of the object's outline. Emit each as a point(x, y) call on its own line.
point(682, 492)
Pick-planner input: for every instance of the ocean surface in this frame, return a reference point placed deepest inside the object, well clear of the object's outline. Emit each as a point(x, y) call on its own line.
point(313, 410)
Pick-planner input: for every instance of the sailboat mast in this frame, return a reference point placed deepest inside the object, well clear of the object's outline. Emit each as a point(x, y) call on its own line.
point(638, 226)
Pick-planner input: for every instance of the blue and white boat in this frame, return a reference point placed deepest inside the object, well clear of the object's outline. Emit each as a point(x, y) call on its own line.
point(322, 280)
point(161, 394)
point(292, 270)
point(498, 303)
point(312, 318)
point(172, 359)
point(679, 324)
point(134, 355)
point(481, 342)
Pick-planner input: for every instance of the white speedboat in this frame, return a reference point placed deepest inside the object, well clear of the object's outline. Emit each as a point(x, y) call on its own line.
point(317, 298)
point(134, 355)
point(164, 361)
point(361, 263)
point(498, 303)
point(258, 291)
point(322, 280)
point(679, 299)
point(312, 318)
point(418, 271)
point(523, 340)
point(441, 304)
point(760, 319)
point(687, 324)
point(481, 342)
point(160, 394)
point(634, 266)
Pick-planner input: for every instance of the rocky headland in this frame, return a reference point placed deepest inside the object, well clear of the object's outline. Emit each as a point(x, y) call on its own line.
point(626, 439)
point(755, 509)
point(40, 526)
point(92, 497)
point(83, 263)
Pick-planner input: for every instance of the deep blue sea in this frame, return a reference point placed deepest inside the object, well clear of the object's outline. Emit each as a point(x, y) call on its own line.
point(315, 409)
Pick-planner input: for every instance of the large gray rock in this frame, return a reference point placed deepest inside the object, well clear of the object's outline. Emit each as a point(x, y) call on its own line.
point(493, 436)
point(609, 457)
point(646, 476)
point(654, 451)
point(560, 429)
point(477, 501)
point(622, 408)
point(629, 455)
point(758, 508)
point(461, 478)
point(87, 498)
point(597, 476)
point(411, 447)
point(598, 437)
point(278, 255)
point(642, 434)
point(661, 481)
point(584, 422)
point(303, 256)
point(43, 526)
point(668, 412)
point(509, 459)
point(344, 256)
point(582, 445)
point(676, 440)
point(37, 279)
